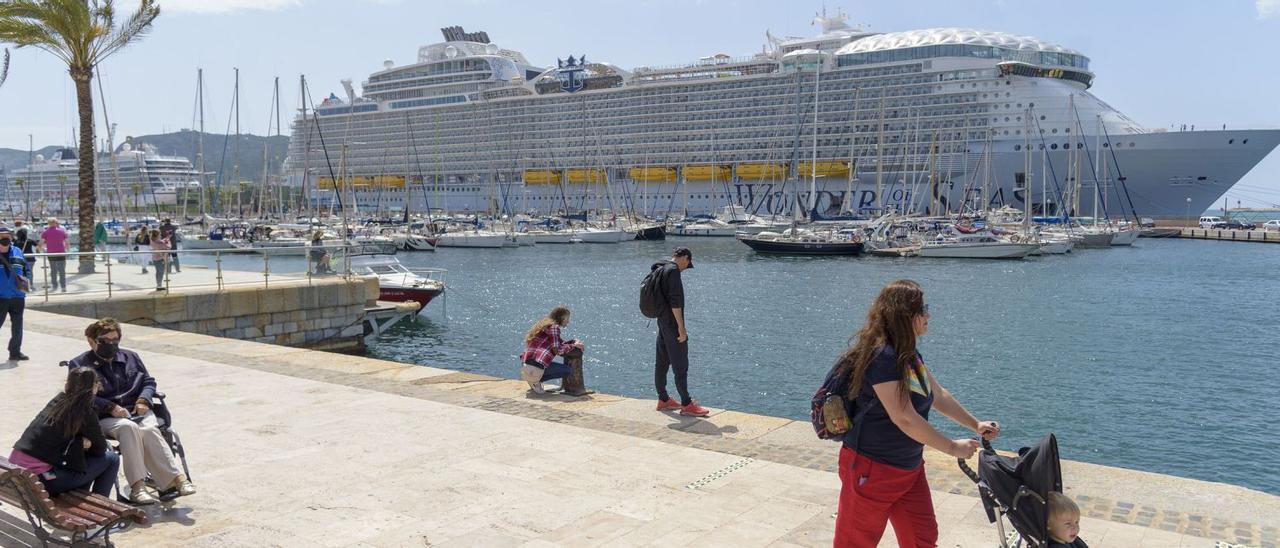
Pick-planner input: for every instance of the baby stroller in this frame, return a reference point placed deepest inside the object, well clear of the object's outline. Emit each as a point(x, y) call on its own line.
point(1018, 488)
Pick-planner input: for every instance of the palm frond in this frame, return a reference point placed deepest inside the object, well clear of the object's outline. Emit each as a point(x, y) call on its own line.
point(4, 67)
point(136, 26)
point(25, 33)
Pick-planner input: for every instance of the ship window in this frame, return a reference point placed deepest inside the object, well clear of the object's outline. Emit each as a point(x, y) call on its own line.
point(1132, 144)
point(1017, 147)
point(1031, 105)
point(1041, 116)
point(1054, 146)
point(1244, 142)
point(1066, 146)
point(1055, 130)
point(1019, 118)
point(1231, 141)
point(1106, 145)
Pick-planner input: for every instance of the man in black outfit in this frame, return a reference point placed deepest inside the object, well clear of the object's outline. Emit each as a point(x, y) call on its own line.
point(673, 339)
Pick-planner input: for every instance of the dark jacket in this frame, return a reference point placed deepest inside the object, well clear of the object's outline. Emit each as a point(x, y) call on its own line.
point(48, 443)
point(124, 381)
point(672, 291)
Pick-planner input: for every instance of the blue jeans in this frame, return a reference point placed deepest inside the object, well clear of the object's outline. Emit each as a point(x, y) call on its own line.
point(99, 472)
point(553, 371)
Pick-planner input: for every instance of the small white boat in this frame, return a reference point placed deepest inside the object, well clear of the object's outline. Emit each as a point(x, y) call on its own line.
point(1126, 236)
point(975, 246)
point(704, 228)
point(398, 283)
point(548, 237)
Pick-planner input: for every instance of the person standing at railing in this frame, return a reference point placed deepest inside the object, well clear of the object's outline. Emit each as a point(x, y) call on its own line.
point(142, 242)
point(54, 240)
point(170, 232)
point(159, 256)
point(14, 285)
point(23, 238)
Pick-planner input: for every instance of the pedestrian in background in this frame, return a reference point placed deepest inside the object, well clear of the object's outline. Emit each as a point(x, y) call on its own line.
point(14, 284)
point(54, 240)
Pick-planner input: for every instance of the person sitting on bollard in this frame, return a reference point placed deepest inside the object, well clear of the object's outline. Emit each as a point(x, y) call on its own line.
point(64, 445)
point(541, 344)
point(318, 254)
point(124, 413)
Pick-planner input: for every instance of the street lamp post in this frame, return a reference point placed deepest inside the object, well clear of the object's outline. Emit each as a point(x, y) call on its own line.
point(1189, 211)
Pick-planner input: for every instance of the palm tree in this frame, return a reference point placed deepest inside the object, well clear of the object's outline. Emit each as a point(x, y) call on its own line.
point(82, 33)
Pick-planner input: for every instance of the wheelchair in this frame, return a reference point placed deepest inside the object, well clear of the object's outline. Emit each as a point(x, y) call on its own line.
point(164, 421)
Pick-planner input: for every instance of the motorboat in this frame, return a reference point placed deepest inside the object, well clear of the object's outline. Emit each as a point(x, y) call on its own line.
point(980, 245)
point(798, 241)
point(398, 283)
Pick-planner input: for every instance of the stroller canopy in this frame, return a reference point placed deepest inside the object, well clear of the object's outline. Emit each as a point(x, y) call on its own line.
point(1022, 484)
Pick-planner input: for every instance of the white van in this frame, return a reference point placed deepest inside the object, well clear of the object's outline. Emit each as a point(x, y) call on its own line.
point(1208, 222)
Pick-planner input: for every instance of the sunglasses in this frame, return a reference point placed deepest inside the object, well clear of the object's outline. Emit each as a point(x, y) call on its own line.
point(105, 340)
point(925, 310)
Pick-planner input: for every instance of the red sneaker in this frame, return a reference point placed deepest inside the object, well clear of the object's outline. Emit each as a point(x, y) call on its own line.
point(694, 410)
point(669, 404)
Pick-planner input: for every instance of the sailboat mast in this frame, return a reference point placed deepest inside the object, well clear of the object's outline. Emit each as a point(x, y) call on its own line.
point(813, 163)
point(235, 166)
point(880, 156)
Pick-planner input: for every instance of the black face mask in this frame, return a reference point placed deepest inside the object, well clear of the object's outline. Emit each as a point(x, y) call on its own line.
point(107, 350)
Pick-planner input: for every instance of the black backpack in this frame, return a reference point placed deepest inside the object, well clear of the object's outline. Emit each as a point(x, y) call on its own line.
point(652, 300)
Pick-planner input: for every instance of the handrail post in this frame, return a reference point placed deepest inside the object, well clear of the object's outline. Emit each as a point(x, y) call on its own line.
point(217, 258)
point(108, 276)
point(166, 272)
point(266, 267)
point(45, 274)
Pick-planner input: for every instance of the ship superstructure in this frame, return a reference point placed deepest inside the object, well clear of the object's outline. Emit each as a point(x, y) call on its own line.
point(924, 120)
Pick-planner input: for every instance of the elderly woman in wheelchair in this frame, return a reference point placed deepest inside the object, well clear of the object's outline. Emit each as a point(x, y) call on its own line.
point(125, 411)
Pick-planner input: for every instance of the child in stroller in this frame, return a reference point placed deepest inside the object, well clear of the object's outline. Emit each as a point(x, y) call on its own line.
point(1027, 489)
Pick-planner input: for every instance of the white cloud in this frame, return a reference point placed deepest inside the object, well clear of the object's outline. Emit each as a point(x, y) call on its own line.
point(1267, 8)
point(228, 6)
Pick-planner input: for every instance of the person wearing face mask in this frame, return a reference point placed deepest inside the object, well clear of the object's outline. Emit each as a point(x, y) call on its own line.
point(124, 411)
point(14, 284)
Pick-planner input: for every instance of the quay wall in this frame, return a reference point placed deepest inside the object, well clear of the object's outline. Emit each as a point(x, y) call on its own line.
point(322, 313)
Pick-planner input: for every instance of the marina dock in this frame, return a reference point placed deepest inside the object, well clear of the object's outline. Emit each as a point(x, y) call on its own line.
point(294, 447)
point(1230, 235)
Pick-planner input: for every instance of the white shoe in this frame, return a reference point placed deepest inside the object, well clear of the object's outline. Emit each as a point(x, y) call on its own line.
point(533, 376)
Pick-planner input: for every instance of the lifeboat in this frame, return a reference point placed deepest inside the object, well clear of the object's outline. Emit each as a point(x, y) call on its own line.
point(757, 172)
point(653, 174)
point(580, 176)
point(825, 169)
point(707, 173)
point(541, 177)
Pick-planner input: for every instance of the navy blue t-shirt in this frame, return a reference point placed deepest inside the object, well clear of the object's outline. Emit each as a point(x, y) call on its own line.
point(878, 438)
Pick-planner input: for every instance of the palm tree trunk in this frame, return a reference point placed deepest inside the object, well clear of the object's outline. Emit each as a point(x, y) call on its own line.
point(83, 76)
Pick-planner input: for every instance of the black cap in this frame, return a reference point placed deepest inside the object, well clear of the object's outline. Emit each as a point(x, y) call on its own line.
point(684, 252)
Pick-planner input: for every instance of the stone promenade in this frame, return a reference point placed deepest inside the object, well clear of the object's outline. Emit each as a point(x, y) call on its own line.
point(292, 447)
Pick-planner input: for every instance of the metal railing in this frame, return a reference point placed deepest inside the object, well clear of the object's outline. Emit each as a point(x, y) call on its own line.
point(108, 275)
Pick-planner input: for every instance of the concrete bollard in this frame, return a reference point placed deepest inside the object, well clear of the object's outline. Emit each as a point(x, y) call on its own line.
point(574, 385)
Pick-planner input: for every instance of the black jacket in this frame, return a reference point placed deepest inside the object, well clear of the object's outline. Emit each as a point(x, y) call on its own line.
point(48, 443)
point(124, 381)
point(672, 291)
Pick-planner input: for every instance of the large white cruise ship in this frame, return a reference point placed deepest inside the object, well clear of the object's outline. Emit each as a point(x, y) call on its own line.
point(923, 120)
point(131, 178)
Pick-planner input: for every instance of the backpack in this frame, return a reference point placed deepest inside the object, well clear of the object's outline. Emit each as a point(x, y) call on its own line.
point(652, 299)
point(829, 412)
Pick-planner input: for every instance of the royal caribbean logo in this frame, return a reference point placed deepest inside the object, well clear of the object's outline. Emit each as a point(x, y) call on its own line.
point(570, 72)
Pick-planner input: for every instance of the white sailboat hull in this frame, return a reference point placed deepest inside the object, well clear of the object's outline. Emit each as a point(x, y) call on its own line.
point(1125, 237)
point(603, 236)
point(472, 239)
point(977, 250)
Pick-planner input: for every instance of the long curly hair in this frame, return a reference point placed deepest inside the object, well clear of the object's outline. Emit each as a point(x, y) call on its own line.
point(890, 322)
point(558, 316)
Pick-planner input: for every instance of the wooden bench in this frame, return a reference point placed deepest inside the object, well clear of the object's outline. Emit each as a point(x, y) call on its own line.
point(75, 518)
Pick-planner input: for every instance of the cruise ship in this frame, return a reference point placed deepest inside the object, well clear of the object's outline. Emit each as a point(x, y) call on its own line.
point(134, 177)
point(847, 121)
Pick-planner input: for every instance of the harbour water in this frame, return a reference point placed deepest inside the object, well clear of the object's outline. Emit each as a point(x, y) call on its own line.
point(1158, 357)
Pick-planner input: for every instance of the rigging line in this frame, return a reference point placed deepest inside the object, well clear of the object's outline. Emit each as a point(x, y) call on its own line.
point(1052, 173)
point(1089, 156)
point(1120, 176)
point(315, 117)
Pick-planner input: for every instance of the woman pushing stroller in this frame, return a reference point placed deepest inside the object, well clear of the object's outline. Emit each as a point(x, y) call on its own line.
point(882, 477)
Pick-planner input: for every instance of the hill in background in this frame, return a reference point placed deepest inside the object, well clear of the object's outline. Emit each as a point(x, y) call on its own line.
point(219, 152)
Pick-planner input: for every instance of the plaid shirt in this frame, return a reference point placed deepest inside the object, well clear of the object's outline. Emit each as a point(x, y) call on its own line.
point(545, 346)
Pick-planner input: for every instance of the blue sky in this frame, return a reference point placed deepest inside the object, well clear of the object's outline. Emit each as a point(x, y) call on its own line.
point(1162, 62)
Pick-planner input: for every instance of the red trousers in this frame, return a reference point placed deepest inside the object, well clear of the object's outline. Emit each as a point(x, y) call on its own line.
point(872, 494)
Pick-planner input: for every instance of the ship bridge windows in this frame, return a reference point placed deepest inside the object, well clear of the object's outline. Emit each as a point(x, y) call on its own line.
point(1021, 69)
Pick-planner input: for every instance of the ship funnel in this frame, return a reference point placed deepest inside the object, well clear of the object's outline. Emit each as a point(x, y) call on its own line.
point(351, 94)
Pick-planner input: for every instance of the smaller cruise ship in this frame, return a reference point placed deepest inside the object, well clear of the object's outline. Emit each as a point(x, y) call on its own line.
point(138, 177)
